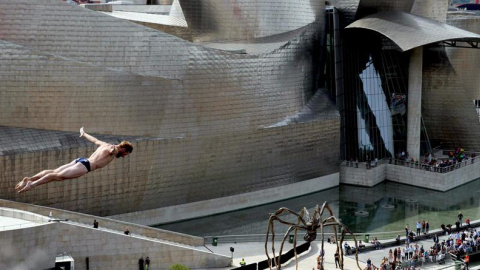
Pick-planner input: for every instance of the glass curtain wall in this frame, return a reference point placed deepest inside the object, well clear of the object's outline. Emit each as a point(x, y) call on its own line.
point(329, 70)
point(375, 96)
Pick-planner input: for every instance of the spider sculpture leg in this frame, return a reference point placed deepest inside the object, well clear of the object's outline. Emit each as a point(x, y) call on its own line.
point(333, 221)
point(275, 216)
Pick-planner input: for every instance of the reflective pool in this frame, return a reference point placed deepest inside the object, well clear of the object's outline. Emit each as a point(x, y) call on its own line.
point(386, 207)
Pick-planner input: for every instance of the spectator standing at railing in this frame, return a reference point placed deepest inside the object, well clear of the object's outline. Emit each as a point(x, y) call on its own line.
point(427, 226)
point(460, 217)
point(95, 224)
point(410, 252)
point(419, 227)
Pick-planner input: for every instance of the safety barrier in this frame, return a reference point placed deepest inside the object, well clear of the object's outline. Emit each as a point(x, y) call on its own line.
point(261, 237)
point(408, 163)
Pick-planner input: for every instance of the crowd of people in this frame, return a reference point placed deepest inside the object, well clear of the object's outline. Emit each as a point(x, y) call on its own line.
point(459, 241)
point(79, 2)
point(454, 160)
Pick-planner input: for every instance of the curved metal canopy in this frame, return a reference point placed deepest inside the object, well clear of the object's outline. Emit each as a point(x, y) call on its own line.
point(409, 31)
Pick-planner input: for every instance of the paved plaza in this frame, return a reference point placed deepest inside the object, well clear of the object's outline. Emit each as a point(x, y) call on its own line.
point(255, 252)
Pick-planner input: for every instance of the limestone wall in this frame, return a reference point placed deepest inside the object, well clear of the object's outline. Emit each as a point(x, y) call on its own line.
point(432, 180)
point(361, 176)
point(32, 248)
point(87, 220)
point(29, 248)
point(110, 250)
point(410, 176)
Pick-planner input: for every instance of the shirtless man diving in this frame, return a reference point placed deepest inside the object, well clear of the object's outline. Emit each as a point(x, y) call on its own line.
point(80, 166)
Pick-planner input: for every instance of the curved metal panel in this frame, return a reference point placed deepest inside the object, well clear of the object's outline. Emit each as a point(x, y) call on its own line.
point(354, 9)
point(465, 61)
point(444, 94)
point(368, 7)
point(409, 31)
point(433, 9)
point(199, 112)
point(212, 20)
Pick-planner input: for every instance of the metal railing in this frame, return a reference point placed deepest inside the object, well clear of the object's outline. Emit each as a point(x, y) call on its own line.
point(280, 235)
point(421, 165)
point(19, 226)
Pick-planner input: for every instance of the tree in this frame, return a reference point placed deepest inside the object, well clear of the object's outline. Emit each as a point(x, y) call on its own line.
point(178, 267)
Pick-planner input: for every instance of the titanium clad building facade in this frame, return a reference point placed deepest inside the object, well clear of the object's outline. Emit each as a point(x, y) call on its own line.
point(238, 97)
point(205, 122)
point(376, 78)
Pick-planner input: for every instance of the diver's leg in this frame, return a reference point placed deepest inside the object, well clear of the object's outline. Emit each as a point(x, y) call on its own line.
point(41, 174)
point(69, 172)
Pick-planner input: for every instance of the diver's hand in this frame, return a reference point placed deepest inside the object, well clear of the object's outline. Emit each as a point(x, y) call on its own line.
point(82, 132)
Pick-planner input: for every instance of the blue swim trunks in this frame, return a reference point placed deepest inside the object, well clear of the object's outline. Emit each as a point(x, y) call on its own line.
point(85, 162)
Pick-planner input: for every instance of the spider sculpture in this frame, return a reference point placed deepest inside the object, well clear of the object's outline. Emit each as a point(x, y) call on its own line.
point(309, 224)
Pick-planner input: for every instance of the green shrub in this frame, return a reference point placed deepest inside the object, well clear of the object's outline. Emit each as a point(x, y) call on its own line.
point(179, 267)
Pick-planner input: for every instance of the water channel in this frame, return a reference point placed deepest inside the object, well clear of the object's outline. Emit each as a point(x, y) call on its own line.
point(386, 207)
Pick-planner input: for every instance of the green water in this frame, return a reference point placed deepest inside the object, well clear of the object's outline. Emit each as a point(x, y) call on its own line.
point(386, 207)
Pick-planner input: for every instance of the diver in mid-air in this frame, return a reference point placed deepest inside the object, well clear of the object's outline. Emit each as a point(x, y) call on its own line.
point(80, 166)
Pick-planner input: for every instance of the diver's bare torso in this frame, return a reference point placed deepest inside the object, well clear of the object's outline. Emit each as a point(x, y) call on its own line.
point(102, 156)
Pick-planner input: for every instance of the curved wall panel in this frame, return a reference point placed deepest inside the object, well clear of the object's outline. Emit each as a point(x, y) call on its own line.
point(201, 119)
point(447, 110)
point(433, 9)
point(356, 9)
point(248, 19)
point(465, 61)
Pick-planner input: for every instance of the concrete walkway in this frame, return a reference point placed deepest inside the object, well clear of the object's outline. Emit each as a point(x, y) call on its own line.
point(9, 223)
point(255, 252)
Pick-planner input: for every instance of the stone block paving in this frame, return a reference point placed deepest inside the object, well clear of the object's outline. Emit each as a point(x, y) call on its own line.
point(255, 252)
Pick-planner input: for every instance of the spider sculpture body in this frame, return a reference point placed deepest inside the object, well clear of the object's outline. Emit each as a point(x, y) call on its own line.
point(309, 224)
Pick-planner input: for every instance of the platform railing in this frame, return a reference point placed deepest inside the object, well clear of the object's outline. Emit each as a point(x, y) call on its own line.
point(280, 235)
point(19, 226)
point(421, 165)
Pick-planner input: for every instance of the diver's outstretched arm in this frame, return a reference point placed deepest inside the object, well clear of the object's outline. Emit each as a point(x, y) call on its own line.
point(91, 138)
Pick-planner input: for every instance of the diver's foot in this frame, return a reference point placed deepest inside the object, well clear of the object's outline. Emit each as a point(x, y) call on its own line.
point(21, 184)
point(28, 186)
